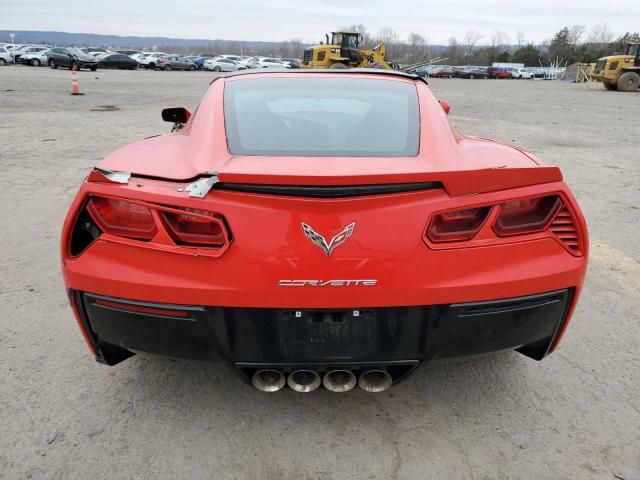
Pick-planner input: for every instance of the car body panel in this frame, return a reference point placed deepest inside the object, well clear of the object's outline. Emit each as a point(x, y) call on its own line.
point(444, 155)
point(287, 256)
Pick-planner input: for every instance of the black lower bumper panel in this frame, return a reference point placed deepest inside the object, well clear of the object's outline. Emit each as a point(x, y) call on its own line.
point(251, 338)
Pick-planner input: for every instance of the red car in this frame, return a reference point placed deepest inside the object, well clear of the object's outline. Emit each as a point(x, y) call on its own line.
point(446, 72)
point(316, 228)
point(496, 72)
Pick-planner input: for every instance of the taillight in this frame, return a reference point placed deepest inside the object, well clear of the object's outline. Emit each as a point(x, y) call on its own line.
point(527, 215)
point(196, 228)
point(457, 226)
point(120, 217)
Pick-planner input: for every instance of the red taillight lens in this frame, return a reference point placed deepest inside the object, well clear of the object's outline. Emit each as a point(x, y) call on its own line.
point(527, 215)
point(122, 218)
point(196, 227)
point(457, 226)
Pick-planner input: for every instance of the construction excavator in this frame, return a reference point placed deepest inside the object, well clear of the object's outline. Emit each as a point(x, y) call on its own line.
point(343, 50)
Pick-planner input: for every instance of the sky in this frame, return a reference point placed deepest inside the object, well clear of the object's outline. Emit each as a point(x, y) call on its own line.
point(278, 20)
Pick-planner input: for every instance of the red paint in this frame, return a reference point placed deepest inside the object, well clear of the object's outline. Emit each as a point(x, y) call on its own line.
point(388, 244)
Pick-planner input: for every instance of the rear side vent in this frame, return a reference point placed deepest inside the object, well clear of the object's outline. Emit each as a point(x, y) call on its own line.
point(564, 227)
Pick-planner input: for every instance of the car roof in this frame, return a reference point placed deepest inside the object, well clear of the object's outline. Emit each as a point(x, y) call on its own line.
point(349, 71)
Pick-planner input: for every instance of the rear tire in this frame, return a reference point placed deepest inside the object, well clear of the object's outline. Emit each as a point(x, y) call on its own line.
point(629, 82)
point(35, 62)
point(217, 68)
point(52, 64)
point(93, 69)
point(610, 86)
point(339, 66)
point(3, 62)
point(75, 66)
point(168, 68)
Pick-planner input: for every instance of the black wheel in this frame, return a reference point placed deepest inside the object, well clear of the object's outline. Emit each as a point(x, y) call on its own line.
point(217, 69)
point(340, 66)
point(35, 62)
point(192, 68)
point(75, 66)
point(3, 62)
point(628, 82)
point(168, 68)
point(471, 77)
point(151, 66)
point(52, 64)
point(610, 86)
point(94, 68)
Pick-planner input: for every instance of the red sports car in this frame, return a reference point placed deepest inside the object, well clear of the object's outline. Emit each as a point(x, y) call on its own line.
point(314, 228)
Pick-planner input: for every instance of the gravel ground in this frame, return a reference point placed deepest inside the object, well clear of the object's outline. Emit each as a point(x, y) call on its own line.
point(63, 416)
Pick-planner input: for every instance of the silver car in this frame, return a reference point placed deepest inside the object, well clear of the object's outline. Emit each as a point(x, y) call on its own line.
point(35, 59)
point(221, 64)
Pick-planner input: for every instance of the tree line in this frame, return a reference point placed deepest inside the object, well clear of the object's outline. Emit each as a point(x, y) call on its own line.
point(567, 46)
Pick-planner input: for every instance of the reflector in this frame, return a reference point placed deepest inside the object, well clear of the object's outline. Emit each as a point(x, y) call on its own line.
point(195, 227)
point(527, 215)
point(123, 218)
point(457, 226)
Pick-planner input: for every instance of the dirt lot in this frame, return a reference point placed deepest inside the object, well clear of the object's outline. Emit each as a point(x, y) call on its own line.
point(63, 416)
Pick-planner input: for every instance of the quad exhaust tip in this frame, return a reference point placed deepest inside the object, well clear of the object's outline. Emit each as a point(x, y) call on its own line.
point(304, 381)
point(339, 380)
point(375, 380)
point(268, 380)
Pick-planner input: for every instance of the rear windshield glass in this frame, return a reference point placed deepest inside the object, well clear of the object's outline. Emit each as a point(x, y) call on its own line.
point(351, 117)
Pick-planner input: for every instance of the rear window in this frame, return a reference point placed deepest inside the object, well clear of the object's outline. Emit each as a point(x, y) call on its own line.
point(350, 117)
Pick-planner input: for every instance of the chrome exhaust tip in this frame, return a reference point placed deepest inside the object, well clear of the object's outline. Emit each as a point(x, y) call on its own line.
point(375, 380)
point(304, 381)
point(339, 380)
point(268, 380)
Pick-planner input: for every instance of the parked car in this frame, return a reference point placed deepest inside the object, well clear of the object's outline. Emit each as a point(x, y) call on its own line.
point(444, 72)
point(35, 59)
point(420, 71)
point(220, 64)
point(174, 62)
point(117, 60)
point(5, 56)
point(268, 62)
point(498, 72)
point(238, 59)
point(150, 60)
point(128, 52)
point(71, 58)
point(199, 61)
point(472, 261)
point(89, 50)
point(26, 49)
point(472, 73)
point(521, 73)
point(292, 62)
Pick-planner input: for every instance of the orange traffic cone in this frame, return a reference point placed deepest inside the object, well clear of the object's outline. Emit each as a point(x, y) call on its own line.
point(75, 89)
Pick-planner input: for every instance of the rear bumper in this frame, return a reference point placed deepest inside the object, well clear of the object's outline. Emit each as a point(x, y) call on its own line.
point(285, 337)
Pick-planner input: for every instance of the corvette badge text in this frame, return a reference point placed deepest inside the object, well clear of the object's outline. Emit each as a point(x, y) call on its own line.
point(327, 283)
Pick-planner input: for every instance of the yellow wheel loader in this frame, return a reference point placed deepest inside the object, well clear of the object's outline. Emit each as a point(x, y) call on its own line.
point(343, 51)
point(620, 72)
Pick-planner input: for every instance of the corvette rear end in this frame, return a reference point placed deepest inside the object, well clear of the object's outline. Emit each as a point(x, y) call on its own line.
point(321, 228)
